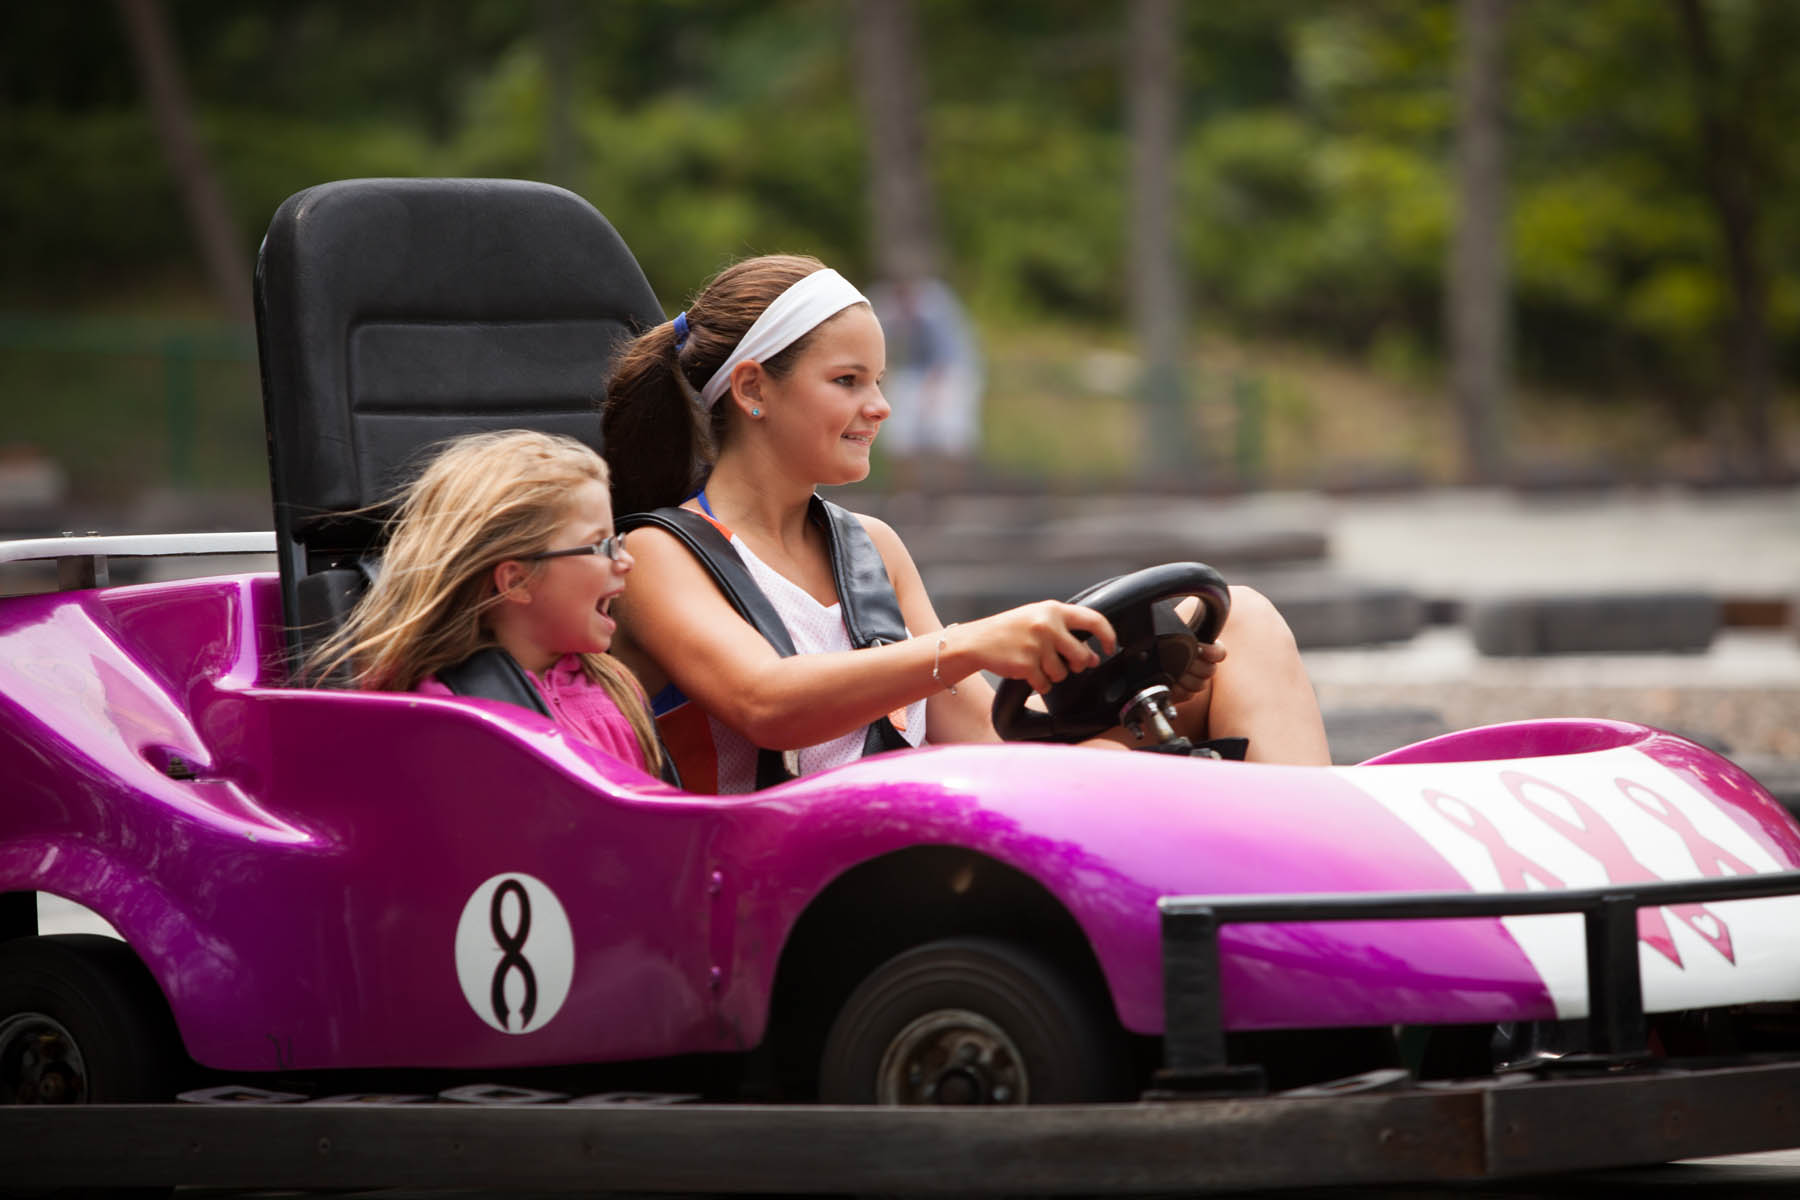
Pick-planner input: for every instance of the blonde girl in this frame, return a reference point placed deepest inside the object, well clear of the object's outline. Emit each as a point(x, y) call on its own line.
point(505, 540)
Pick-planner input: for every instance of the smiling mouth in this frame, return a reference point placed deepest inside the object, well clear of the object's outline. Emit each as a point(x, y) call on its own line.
point(861, 439)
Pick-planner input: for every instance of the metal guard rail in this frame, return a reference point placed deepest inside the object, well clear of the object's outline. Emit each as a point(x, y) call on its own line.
point(1194, 1057)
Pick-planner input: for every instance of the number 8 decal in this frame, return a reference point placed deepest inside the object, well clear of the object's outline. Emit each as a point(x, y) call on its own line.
point(515, 953)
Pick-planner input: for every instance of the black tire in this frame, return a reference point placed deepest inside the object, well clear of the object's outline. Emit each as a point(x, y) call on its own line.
point(83, 1022)
point(973, 1021)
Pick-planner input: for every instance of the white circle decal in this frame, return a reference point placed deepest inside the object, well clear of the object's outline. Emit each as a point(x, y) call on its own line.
point(515, 953)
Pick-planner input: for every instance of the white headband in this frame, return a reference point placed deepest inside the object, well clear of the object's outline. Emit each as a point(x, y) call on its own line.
point(795, 313)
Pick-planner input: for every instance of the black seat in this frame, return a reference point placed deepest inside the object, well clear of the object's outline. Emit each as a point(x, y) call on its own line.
point(392, 314)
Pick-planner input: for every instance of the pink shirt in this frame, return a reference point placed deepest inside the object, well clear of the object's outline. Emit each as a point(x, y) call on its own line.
point(580, 706)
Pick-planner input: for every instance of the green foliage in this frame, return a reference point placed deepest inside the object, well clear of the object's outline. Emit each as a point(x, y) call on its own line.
point(1031, 224)
point(1292, 229)
point(119, 425)
point(691, 190)
point(1315, 169)
point(98, 196)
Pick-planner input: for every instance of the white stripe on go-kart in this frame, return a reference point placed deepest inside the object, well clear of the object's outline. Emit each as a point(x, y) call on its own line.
point(1587, 820)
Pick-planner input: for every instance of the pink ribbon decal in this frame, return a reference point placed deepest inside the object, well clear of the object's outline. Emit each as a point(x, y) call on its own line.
point(1601, 841)
point(1710, 858)
point(1514, 868)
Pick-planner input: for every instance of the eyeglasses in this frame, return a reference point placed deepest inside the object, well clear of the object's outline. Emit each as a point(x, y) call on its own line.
point(608, 547)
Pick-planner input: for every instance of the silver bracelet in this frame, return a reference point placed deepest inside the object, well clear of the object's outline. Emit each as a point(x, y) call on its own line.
point(938, 656)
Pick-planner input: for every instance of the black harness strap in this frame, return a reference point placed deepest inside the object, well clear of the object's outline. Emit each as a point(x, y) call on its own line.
point(492, 674)
point(704, 541)
point(866, 598)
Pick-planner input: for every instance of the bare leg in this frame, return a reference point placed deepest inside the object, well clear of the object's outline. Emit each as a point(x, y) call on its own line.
point(1261, 690)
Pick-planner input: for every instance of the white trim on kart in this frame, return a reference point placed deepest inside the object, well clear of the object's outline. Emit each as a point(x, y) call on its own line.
point(137, 545)
point(81, 561)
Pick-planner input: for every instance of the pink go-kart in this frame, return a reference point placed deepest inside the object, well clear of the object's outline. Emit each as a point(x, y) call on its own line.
point(319, 892)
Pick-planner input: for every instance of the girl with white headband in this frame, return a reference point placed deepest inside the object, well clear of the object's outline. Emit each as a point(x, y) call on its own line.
point(766, 387)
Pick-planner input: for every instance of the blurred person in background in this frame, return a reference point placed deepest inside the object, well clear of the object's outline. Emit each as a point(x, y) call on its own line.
point(934, 383)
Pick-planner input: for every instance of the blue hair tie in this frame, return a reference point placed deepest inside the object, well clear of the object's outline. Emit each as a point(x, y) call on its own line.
point(681, 330)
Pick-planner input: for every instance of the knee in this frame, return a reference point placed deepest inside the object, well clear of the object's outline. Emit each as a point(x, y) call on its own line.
point(1255, 620)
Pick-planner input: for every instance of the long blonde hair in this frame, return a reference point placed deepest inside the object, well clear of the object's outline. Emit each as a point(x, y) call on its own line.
point(484, 499)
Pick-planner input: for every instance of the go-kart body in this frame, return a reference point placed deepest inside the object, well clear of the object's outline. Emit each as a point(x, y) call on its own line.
point(294, 866)
point(334, 885)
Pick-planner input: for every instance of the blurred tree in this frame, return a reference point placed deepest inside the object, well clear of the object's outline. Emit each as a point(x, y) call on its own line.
point(1477, 291)
point(1656, 226)
point(891, 83)
point(559, 30)
point(209, 219)
point(1152, 48)
point(1732, 168)
point(1323, 213)
point(1314, 160)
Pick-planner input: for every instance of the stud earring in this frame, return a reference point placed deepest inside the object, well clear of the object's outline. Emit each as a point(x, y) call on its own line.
point(756, 412)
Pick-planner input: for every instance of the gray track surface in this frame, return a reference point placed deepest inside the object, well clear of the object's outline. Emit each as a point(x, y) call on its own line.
point(1740, 695)
point(1469, 543)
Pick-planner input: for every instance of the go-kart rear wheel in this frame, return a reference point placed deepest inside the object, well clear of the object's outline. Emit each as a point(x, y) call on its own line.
point(82, 1022)
point(972, 1021)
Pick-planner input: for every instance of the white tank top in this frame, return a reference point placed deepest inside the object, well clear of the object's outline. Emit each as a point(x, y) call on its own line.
point(815, 629)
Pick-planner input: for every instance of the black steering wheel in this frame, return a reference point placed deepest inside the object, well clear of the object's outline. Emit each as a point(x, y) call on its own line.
point(1155, 646)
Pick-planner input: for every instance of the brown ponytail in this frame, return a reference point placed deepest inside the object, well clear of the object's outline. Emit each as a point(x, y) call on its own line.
point(661, 444)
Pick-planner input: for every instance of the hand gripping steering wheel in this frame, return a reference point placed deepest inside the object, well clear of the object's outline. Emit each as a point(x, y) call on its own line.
point(1155, 648)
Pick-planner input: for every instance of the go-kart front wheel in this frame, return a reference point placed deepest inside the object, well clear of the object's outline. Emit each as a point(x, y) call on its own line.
point(972, 1021)
point(82, 1022)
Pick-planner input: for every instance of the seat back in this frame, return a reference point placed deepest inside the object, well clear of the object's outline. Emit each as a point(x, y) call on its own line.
point(392, 314)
